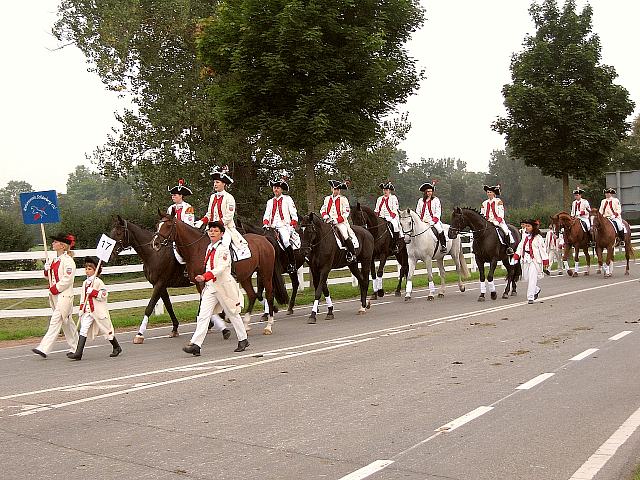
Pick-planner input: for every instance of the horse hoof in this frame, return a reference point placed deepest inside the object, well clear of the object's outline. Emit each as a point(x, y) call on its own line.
point(626, 272)
point(368, 305)
point(330, 316)
point(407, 299)
point(362, 311)
point(462, 288)
point(494, 295)
point(586, 273)
point(397, 293)
point(138, 340)
point(312, 318)
point(560, 273)
point(267, 331)
point(430, 298)
point(290, 311)
point(575, 274)
point(505, 295)
point(174, 334)
point(441, 295)
point(481, 298)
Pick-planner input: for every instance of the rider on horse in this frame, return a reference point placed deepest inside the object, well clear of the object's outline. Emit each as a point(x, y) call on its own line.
point(181, 209)
point(610, 208)
point(335, 210)
point(281, 215)
point(430, 211)
point(581, 209)
point(387, 207)
point(222, 208)
point(493, 210)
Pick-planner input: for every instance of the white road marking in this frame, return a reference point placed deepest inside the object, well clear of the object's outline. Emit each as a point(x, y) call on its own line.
point(466, 418)
point(584, 354)
point(620, 335)
point(592, 466)
point(367, 471)
point(535, 381)
point(402, 331)
point(86, 388)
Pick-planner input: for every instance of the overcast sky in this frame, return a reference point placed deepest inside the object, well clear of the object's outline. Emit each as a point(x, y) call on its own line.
point(54, 111)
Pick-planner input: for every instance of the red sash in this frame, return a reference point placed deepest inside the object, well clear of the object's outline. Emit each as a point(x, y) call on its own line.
point(277, 203)
point(217, 201)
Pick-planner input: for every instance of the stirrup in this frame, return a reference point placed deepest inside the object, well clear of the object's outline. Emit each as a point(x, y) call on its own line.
point(510, 250)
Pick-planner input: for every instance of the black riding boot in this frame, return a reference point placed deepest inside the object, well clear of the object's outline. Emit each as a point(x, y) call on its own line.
point(621, 237)
point(291, 257)
point(77, 355)
point(117, 350)
point(351, 251)
point(395, 248)
point(443, 242)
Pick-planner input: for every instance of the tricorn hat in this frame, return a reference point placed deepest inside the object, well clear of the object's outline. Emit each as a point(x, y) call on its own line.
point(495, 189)
point(64, 238)
point(282, 183)
point(216, 224)
point(338, 184)
point(387, 185)
point(610, 190)
point(181, 188)
point(221, 174)
point(429, 185)
point(578, 191)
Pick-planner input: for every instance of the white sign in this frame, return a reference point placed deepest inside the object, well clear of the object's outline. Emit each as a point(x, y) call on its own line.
point(105, 247)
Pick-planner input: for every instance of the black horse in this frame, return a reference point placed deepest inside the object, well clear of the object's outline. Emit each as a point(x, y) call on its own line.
point(322, 252)
point(487, 248)
point(161, 268)
point(382, 249)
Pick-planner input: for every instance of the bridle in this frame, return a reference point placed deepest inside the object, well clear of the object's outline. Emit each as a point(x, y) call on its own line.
point(408, 233)
point(169, 239)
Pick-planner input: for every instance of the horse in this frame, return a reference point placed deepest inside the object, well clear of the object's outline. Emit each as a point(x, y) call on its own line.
point(422, 244)
point(574, 237)
point(192, 246)
point(322, 252)
point(383, 246)
point(605, 236)
point(281, 257)
point(554, 244)
point(160, 268)
point(487, 248)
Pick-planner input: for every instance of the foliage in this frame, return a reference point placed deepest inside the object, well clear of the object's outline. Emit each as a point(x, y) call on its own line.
point(564, 113)
point(304, 75)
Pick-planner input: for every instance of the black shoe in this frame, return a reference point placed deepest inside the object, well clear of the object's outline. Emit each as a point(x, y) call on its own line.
point(38, 352)
point(192, 349)
point(117, 350)
point(70, 354)
point(226, 333)
point(78, 353)
point(535, 297)
point(530, 302)
point(242, 344)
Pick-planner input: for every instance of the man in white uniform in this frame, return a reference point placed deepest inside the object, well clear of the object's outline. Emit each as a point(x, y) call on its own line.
point(610, 208)
point(281, 215)
point(493, 211)
point(430, 210)
point(182, 211)
point(335, 210)
point(387, 207)
point(581, 209)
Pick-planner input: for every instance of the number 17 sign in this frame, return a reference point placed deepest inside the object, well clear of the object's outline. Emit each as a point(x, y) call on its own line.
point(105, 247)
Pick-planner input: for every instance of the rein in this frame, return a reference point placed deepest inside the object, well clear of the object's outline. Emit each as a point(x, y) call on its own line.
point(408, 232)
point(121, 243)
point(168, 240)
point(377, 226)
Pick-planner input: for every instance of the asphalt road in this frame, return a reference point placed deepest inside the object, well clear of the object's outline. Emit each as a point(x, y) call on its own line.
point(449, 389)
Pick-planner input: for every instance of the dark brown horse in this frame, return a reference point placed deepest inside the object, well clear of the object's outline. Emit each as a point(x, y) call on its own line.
point(192, 245)
point(574, 237)
point(605, 236)
point(382, 247)
point(160, 268)
point(320, 248)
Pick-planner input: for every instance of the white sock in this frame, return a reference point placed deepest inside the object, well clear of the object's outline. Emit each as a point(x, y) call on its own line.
point(492, 286)
point(315, 306)
point(483, 287)
point(409, 287)
point(432, 287)
point(329, 302)
point(143, 325)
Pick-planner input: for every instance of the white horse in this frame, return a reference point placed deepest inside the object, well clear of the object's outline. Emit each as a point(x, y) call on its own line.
point(554, 242)
point(422, 244)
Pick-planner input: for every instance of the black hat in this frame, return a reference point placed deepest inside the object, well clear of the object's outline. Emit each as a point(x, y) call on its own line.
point(495, 189)
point(531, 222)
point(387, 185)
point(282, 183)
point(221, 174)
point(181, 188)
point(216, 224)
point(338, 184)
point(64, 238)
point(609, 190)
point(425, 186)
point(578, 191)
point(91, 261)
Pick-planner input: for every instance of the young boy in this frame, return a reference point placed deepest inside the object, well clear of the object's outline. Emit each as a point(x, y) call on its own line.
point(94, 313)
point(533, 256)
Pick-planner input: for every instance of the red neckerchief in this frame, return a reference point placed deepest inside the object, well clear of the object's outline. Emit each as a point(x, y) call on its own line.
point(210, 254)
point(178, 213)
point(491, 207)
point(86, 295)
point(55, 265)
point(530, 245)
point(611, 205)
point(429, 206)
point(576, 206)
point(424, 206)
point(277, 203)
point(217, 201)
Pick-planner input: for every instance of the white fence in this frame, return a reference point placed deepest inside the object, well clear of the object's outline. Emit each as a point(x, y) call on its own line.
point(20, 294)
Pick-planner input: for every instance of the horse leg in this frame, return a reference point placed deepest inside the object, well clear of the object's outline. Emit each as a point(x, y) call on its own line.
point(565, 260)
point(374, 279)
point(363, 283)
point(167, 304)
point(155, 295)
point(295, 284)
point(268, 286)
point(409, 287)
point(251, 296)
point(321, 280)
point(383, 261)
point(483, 285)
point(260, 286)
point(576, 261)
point(627, 251)
point(441, 274)
point(404, 270)
point(588, 258)
point(492, 286)
point(432, 286)
point(328, 301)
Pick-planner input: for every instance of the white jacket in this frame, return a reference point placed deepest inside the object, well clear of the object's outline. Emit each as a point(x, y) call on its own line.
point(532, 250)
point(62, 271)
point(430, 211)
point(218, 277)
point(493, 210)
point(387, 207)
point(610, 208)
point(222, 207)
point(581, 208)
point(336, 208)
point(280, 211)
point(184, 212)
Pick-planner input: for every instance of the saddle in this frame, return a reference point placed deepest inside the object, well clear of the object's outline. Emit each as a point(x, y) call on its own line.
point(340, 241)
point(619, 233)
point(502, 237)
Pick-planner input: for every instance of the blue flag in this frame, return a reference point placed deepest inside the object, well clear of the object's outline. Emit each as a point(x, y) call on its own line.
point(39, 207)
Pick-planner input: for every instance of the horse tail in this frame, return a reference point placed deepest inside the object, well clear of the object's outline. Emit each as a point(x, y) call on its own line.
point(517, 272)
point(462, 263)
point(279, 289)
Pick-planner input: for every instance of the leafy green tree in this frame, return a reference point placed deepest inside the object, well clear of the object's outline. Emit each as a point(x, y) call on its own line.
point(10, 195)
point(304, 75)
point(564, 113)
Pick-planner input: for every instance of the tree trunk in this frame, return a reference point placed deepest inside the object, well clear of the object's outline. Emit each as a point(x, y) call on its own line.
point(310, 174)
point(566, 193)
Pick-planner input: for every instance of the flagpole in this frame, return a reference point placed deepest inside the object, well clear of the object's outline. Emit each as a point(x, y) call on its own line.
point(46, 252)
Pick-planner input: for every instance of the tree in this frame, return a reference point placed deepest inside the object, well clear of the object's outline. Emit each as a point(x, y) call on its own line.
point(304, 75)
point(10, 195)
point(564, 113)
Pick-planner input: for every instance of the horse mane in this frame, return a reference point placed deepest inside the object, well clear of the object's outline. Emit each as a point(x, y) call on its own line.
point(472, 209)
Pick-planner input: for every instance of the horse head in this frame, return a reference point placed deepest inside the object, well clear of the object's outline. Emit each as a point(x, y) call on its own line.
point(310, 226)
point(166, 232)
point(407, 224)
point(358, 216)
point(120, 233)
point(458, 223)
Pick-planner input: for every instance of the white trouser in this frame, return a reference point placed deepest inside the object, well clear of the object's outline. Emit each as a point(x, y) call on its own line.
point(618, 222)
point(437, 225)
point(230, 236)
point(208, 302)
point(86, 320)
point(61, 318)
point(530, 275)
point(586, 223)
point(395, 223)
point(177, 255)
point(285, 235)
point(343, 228)
point(505, 228)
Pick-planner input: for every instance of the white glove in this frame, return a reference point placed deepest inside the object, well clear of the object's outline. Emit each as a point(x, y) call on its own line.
point(512, 261)
point(328, 220)
point(334, 221)
point(47, 265)
point(198, 223)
